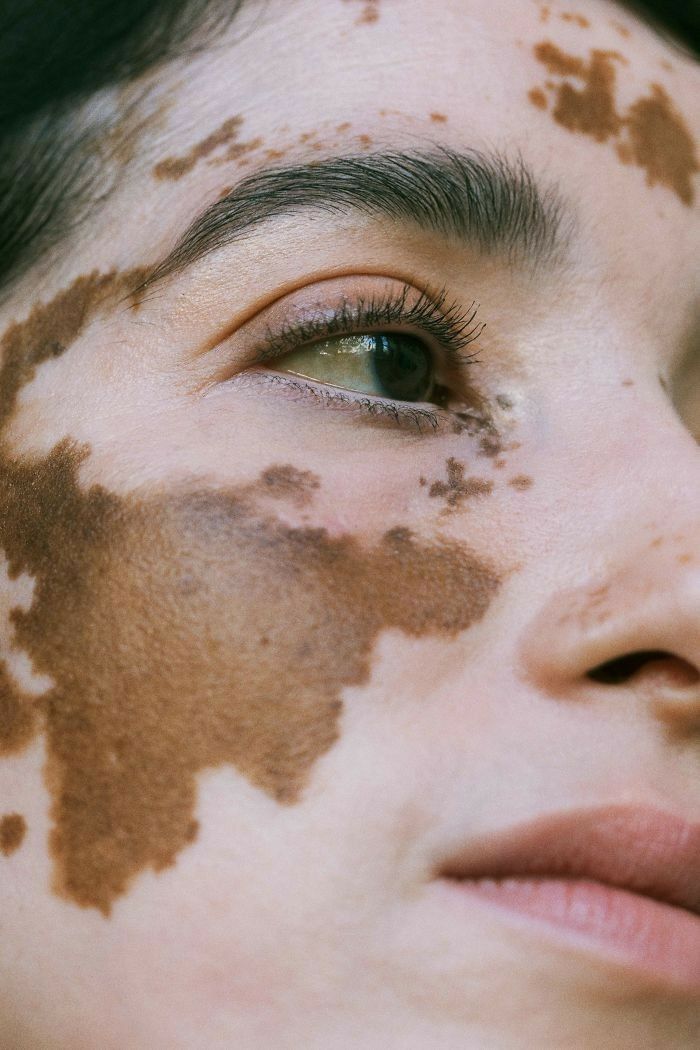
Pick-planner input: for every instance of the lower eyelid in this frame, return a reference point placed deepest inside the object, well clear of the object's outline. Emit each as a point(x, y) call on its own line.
point(403, 415)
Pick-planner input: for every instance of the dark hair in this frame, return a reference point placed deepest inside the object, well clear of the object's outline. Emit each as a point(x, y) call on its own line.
point(55, 54)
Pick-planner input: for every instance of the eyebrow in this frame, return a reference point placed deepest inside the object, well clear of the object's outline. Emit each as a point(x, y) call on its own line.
point(483, 200)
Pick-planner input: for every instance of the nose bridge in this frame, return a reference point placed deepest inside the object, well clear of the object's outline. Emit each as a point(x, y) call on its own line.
point(636, 531)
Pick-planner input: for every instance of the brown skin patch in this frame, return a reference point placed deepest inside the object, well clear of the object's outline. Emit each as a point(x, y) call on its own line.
point(239, 149)
point(456, 489)
point(579, 20)
point(176, 167)
point(184, 629)
point(13, 828)
point(369, 13)
point(537, 97)
point(288, 483)
point(478, 423)
point(590, 109)
point(620, 28)
point(521, 482)
point(660, 142)
point(651, 134)
point(51, 328)
point(438, 118)
point(17, 716)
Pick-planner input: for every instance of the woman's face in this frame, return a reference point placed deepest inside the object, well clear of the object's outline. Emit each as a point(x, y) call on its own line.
point(322, 550)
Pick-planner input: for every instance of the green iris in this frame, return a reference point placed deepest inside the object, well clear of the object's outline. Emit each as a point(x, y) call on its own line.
point(390, 365)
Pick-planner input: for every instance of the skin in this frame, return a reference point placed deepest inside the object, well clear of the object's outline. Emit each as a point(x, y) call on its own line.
point(261, 869)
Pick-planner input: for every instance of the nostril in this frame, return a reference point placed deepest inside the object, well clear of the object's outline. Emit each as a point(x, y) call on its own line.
point(672, 669)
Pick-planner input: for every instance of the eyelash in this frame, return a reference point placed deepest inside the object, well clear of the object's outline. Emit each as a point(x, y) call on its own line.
point(447, 325)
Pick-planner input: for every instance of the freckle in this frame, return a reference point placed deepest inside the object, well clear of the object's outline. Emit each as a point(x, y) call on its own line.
point(579, 20)
point(344, 126)
point(422, 481)
point(275, 154)
point(537, 97)
point(369, 15)
point(499, 463)
point(628, 382)
point(306, 136)
point(13, 828)
point(685, 559)
point(620, 28)
point(438, 118)
point(521, 482)
point(657, 542)
point(665, 64)
point(544, 13)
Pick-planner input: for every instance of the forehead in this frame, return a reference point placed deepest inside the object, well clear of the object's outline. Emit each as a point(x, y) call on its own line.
point(572, 88)
point(583, 88)
point(588, 95)
point(306, 59)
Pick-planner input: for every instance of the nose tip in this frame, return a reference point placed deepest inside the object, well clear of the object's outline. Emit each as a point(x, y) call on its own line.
point(637, 628)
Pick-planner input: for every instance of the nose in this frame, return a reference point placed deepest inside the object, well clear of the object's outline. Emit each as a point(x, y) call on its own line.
point(636, 628)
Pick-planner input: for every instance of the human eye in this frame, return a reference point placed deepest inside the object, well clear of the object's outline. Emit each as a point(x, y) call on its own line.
point(401, 354)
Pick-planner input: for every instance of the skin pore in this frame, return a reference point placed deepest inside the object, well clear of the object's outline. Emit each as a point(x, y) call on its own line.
point(270, 656)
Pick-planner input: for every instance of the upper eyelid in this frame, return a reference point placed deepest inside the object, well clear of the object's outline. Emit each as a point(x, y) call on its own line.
point(451, 326)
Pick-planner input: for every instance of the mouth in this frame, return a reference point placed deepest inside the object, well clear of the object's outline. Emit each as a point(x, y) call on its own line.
point(621, 881)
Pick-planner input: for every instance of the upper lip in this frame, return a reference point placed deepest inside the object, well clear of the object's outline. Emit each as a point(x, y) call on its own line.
point(644, 850)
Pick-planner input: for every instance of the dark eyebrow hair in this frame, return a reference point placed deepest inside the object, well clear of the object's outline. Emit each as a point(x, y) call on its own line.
point(485, 200)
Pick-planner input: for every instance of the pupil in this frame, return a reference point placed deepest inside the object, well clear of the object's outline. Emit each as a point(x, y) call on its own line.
point(403, 367)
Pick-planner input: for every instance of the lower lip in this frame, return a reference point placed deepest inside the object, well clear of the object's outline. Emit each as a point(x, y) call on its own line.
point(655, 938)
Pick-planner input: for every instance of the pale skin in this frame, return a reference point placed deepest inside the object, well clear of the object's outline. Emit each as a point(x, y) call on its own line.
point(316, 924)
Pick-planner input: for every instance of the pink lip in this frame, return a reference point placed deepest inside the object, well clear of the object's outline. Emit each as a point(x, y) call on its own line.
point(625, 878)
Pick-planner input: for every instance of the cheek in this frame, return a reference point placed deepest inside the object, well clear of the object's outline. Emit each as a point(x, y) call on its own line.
point(183, 632)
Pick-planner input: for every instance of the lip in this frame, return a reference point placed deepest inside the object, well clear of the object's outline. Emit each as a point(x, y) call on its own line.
point(626, 879)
